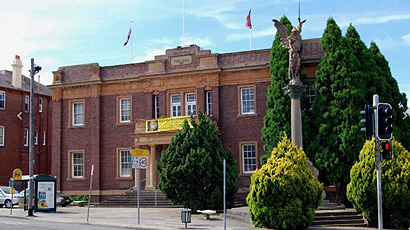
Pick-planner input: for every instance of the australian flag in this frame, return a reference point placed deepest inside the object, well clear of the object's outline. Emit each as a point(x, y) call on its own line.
point(128, 37)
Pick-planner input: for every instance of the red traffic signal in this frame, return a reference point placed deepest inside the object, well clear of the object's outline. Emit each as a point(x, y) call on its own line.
point(386, 150)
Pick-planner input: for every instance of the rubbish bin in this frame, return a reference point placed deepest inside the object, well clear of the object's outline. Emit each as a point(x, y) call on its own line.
point(186, 216)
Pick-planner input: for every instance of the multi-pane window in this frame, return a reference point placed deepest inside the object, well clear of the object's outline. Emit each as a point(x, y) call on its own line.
point(35, 137)
point(247, 101)
point(190, 104)
point(2, 100)
point(25, 137)
point(208, 96)
point(26, 104)
point(78, 113)
point(1, 135)
point(125, 163)
point(310, 94)
point(175, 105)
point(77, 165)
point(40, 105)
point(44, 138)
point(156, 106)
point(249, 158)
point(125, 110)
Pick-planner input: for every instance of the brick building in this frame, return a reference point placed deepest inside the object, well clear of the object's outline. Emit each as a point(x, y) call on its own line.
point(14, 124)
point(100, 113)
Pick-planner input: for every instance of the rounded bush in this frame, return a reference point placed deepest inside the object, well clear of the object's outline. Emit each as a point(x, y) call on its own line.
point(362, 189)
point(284, 194)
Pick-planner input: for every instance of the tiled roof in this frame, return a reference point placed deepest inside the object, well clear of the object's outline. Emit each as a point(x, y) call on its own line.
point(6, 79)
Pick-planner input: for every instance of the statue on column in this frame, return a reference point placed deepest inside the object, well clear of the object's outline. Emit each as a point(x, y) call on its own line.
point(293, 43)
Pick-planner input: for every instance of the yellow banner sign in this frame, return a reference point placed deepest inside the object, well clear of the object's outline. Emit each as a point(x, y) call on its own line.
point(17, 173)
point(165, 124)
point(139, 152)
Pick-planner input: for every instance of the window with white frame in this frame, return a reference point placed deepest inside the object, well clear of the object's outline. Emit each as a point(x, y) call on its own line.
point(77, 165)
point(249, 158)
point(40, 105)
point(190, 104)
point(208, 96)
point(44, 138)
point(247, 100)
point(1, 135)
point(35, 137)
point(125, 163)
point(25, 137)
point(2, 100)
point(156, 106)
point(26, 103)
point(310, 94)
point(125, 110)
point(77, 113)
point(175, 105)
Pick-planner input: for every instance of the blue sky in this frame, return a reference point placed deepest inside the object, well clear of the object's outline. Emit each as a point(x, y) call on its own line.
point(60, 33)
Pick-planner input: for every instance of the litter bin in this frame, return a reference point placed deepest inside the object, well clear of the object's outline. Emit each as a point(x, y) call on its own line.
point(186, 216)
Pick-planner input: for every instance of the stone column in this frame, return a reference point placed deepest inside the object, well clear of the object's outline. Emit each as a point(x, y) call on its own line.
point(295, 92)
point(151, 171)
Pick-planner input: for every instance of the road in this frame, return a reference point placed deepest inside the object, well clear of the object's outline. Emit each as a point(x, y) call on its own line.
point(8, 223)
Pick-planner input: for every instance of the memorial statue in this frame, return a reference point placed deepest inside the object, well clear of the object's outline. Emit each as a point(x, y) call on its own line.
point(293, 43)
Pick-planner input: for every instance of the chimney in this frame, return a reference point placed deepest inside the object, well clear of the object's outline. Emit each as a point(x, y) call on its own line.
point(17, 66)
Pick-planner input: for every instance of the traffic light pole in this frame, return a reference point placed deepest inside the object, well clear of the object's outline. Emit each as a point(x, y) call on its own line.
point(378, 168)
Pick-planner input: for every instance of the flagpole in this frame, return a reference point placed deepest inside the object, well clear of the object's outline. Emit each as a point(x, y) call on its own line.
point(131, 44)
point(183, 22)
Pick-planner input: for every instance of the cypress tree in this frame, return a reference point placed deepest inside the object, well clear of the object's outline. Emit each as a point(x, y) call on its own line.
point(336, 110)
point(191, 168)
point(391, 94)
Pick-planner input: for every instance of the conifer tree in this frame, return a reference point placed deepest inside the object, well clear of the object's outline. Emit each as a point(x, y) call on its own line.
point(191, 168)
point(391, 94)
point(336, 110)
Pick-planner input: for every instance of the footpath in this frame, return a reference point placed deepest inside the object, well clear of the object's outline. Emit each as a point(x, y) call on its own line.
point(150, 218)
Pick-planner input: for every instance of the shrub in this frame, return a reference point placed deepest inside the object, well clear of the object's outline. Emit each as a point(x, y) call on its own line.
point(80, 197)
point(362, 189)
point(284, 194)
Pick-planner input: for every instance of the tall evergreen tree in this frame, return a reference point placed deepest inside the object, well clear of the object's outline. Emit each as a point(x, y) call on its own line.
point(392, 95)
point(336, 109)
point(277, 118)
point(191, 168)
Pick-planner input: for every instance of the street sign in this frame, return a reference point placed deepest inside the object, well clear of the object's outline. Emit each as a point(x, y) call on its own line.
point(139, 152)
point(17, 173)
point(139, 162)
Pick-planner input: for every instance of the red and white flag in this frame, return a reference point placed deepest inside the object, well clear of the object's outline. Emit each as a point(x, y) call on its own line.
point(248, 20)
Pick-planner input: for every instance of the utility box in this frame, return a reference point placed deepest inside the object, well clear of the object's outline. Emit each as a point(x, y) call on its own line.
point(186, 216)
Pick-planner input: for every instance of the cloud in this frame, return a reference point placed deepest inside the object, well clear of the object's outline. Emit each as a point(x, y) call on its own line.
point(150, 55)
point(406, 39)
point(255, 34)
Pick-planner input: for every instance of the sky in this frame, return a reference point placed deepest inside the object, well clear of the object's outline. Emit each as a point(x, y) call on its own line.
point(61, 33)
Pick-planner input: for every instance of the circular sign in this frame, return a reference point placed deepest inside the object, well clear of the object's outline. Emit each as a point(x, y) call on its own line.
point(143, 162)
point(17, 173)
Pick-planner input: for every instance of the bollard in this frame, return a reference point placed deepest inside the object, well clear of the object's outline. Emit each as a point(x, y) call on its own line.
point(186, 216)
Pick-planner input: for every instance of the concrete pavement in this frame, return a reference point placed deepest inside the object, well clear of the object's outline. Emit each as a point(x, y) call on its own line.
point(150, 218)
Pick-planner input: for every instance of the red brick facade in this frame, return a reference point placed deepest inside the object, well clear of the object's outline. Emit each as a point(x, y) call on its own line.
point(180, 71)
point(14, 153)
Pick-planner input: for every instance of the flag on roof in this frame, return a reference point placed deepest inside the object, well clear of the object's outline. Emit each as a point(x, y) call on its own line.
point(128, 37)
point(248, 20)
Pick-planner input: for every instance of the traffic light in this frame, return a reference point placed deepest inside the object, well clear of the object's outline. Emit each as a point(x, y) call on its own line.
point(367, 121)
point(386, 150)
point(384, 121)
